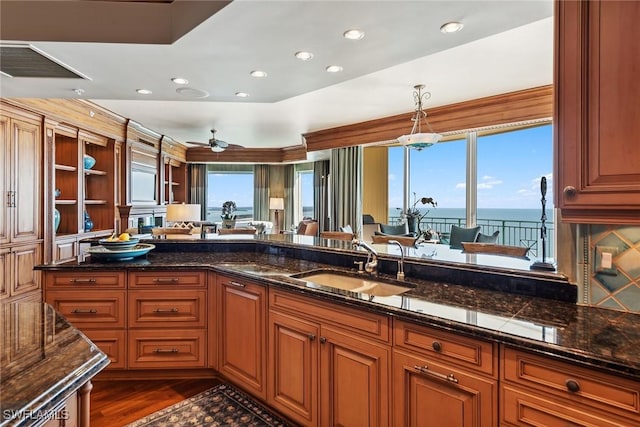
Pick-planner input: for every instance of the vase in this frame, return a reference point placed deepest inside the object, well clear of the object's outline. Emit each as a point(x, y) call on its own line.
point(88, 161)
point(413, 224)
point(228, 223)
point(88, 224)
point(56, 220)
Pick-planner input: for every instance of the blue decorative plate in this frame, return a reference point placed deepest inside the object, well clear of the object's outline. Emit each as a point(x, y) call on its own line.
point(100, 252)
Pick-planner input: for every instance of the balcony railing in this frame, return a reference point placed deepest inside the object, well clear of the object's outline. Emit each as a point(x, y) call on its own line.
point(512, 232)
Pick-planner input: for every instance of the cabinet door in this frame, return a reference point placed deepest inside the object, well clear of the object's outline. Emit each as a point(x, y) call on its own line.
point(243, 333)
point(5, 176)
point(354, 380)
point(27, 166)
point(293, 367)
point(597, 167)
point(25, 278)
point(427, 393)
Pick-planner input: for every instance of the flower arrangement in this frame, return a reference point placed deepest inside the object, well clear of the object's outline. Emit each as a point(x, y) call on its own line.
point(228, 210)
point(414, 212)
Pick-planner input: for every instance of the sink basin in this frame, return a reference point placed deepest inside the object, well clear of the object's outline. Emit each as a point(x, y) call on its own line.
point(352, 283)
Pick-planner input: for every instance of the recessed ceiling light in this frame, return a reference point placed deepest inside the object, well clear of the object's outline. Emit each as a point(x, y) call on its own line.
point(451, 27)
point(242, 94)
point(258, 73)
point(353, 34)
point(334, 69)
point(180, 81)
point(304, 56)
point(144, 91)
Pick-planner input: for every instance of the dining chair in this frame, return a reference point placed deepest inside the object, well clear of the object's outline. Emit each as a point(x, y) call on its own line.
point(395, 230)
point(462, 234)
point(488, 238)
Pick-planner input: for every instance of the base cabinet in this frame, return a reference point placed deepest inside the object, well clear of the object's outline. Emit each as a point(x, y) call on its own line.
point(242, 333)
point(321, 373)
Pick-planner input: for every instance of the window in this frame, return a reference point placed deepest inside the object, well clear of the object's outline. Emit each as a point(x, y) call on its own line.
point(496, 185)
point(303, 192)
point(229, 182)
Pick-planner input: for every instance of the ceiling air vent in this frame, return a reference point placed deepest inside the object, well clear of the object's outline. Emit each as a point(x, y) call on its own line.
point(27, 61)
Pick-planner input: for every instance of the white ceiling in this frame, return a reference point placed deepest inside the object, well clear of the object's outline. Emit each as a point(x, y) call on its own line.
point(504, 46)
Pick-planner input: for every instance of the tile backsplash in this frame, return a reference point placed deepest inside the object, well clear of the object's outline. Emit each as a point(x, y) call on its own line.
point(618, 287)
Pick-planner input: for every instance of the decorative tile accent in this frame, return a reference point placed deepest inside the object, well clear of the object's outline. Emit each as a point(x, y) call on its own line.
point(620, 291)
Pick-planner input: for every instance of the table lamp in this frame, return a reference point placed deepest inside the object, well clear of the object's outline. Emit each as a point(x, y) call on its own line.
point(276, 204)
point(184, 215)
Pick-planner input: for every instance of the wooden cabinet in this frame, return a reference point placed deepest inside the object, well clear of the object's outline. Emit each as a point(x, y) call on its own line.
point(328, 365)
point(174, 174)
point(167, 319)
point(597, 166)
point(538, 390)
point(21, 207)
point(95, 302)
point(242, 332)
point(442, 378)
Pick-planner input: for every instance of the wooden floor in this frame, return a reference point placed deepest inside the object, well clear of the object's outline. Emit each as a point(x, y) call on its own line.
point(117, 403)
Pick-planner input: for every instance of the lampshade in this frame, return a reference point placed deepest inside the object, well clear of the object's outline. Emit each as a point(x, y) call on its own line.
point(183, 213)
point(418, 139)
point(276, 203)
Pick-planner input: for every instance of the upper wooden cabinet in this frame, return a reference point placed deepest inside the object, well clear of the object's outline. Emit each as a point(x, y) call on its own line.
point(597, 165)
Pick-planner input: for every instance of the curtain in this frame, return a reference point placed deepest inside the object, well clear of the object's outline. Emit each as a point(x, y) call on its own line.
point(289, 183)
point(198, 187)
point(346, 188)
point(321, 194)
point(261, 193)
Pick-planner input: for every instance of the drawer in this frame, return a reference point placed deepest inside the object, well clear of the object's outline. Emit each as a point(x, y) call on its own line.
point(168, 308)
point(167, 349)
point(112, 343)
point(91, 279)
point(574, 383)
point(522, 408)
point(147, 279)
point(463, 351)
point(101, 310)
point(360, 322)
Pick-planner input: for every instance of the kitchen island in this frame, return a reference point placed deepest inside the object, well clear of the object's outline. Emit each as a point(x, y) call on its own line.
point(46, 367)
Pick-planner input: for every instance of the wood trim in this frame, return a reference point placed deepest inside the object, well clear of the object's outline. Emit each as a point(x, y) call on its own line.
point(237, 154)
point(513, 107)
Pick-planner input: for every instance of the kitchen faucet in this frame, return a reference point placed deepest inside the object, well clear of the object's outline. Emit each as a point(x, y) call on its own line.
point(400, 274)
point(371, 266)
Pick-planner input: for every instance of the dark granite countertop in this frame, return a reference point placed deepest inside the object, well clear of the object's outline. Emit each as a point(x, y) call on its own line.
point(43, 361)
point(598, 338)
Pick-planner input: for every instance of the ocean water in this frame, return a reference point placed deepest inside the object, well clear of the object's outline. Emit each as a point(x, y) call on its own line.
point(495, 214)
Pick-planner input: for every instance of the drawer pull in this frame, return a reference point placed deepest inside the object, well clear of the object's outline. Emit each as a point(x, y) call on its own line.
point(311, 337)
point(83, 280)
point(572, 386)
point(166, 350)
point(84, 311)
point(570, 191)
point(166, 310)
point(323, 340)
point(166, 280)
point(239, 285)
point(425, 370)
point(436, 346)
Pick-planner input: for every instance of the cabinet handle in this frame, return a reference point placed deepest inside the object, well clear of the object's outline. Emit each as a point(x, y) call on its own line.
point(573, 386)
point(236, 284)
point(425, 370)
point(166, 310)
point(436, 346)
point(13, 199)
point(84, 311)
point(166, 350)
point(570, 191)
point(82, 280)
point(323, 340)
point(166, 280)
point(311, 337)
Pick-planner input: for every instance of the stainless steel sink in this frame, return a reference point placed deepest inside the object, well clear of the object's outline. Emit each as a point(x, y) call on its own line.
point(352, 283)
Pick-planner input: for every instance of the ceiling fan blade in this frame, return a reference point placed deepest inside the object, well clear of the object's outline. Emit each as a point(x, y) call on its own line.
point(221, 143)
point(206, 144)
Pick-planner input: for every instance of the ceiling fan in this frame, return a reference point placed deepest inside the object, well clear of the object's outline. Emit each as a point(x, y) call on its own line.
point(217, 145)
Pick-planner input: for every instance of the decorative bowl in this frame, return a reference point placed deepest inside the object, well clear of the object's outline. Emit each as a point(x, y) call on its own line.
point(118, 245)
point(88, 161)
point(101, 252)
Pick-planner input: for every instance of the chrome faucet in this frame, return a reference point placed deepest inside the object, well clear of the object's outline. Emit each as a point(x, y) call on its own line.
point(400, 274)
point(371, 266)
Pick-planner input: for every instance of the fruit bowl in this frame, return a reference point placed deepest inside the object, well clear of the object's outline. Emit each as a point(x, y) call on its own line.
point(118, 245)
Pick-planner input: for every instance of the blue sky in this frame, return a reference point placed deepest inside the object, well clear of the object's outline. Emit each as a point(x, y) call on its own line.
point(510, 166)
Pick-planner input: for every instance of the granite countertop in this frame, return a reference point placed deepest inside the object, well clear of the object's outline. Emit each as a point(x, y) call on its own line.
point(603, 339)
point(43, 361)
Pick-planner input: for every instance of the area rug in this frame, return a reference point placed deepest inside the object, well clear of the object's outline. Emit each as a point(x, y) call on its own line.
point(222, 405)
